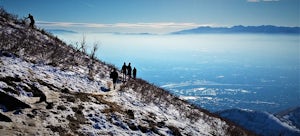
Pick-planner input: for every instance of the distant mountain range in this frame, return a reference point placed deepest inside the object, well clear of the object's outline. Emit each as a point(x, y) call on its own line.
point(264, 29)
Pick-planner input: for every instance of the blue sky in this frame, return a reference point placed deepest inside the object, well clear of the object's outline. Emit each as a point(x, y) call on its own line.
point(157, 16)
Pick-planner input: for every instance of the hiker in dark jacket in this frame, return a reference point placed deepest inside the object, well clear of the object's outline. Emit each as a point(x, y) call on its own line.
point(134, 73)
point(124, 71)
point(31, 21)
point(114, 75)
point(129, 69)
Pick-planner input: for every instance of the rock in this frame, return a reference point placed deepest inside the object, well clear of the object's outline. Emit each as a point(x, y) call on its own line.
point(11, 103)
point(90, 115)
point(70, 99)
point(65, 90)
point(49, 105)
point(97, 126)
point(4, 118)
point(130, 114)
point(30, 115)
point(7, 54)
point(175, 131)
point(9, 90)
point(31, 124)
point(105, 89)
point(161, 124)
point(38, 93)
point(132, 126)
point(18, 112)
point(143, 128)
point(34, 111)
point(61, 107)
point(9, 79)
point(59, 129)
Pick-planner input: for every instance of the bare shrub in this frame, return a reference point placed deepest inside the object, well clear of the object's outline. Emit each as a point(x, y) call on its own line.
point(94, 50)
point(7, 15)
point(194, 115)
point(175, 131)
point(56, 54)
point(91, 72)
point(83, 45)
point(4, 41)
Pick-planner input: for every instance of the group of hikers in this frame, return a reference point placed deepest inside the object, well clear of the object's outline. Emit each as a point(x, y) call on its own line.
point(126, 72)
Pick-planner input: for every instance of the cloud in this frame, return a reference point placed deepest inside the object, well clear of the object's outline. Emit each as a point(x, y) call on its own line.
point(253, 0)
point(69, 24)
point(120, 25)
point(160, 27)
point(263, 0)
point(271, 0)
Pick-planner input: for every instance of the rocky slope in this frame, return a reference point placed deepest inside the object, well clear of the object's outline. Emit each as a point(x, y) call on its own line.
point(50, 88)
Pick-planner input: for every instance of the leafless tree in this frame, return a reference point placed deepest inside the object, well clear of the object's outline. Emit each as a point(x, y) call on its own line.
point(83, 44)
point(94, 50)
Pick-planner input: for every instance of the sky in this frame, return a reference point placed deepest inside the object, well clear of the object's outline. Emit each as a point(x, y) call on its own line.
point(154, 16)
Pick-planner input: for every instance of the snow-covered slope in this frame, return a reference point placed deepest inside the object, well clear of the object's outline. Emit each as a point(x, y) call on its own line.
point(263, 123)
point(53, 89)
point(76, 105)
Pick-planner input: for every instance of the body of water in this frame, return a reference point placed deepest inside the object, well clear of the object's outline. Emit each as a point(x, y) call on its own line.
point(215, 71)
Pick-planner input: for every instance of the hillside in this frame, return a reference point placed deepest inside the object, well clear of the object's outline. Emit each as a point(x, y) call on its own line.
point(264, 29)
point(291, 117)
point(50, 88)
point(266, 124)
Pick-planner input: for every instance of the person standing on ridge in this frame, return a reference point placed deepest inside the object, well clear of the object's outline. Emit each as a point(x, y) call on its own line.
point(124, 72)
point(114, 75)
point(134, 73)
point(31, 21)
point(129, 71)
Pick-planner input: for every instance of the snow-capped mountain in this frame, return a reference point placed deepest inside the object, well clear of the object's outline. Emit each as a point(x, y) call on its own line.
point(266, 124)
point(50, 88)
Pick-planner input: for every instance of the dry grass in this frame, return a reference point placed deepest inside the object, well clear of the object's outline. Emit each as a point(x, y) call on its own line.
point(74, 123)
point(112, 106)
point(59, 129)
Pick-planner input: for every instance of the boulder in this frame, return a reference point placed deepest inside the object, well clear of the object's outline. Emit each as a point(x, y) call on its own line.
point(10, 103)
